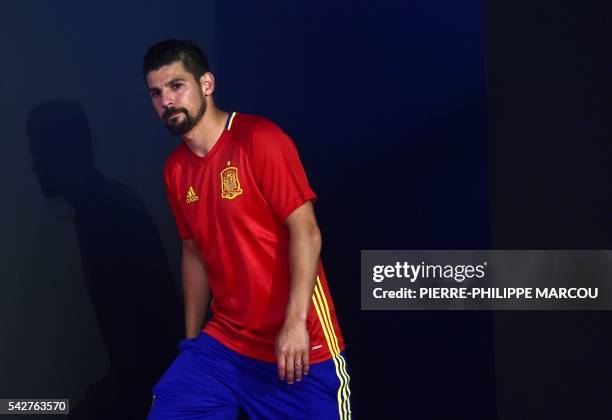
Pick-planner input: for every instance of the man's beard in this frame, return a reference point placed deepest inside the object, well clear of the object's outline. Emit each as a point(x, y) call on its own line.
point(179, 127)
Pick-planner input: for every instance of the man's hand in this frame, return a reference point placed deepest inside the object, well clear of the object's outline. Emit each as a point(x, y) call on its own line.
point(292, 351)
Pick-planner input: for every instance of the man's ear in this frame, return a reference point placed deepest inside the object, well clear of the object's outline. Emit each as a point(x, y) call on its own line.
point(207, 82)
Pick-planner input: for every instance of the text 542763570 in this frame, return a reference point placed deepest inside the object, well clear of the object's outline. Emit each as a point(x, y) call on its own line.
point(34, 406)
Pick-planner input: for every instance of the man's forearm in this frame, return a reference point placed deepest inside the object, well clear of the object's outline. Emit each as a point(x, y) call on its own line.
point(293, 341)
point(195, 289)
point(304, 251)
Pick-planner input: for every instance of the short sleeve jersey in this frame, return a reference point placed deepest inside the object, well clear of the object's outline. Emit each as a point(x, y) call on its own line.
point(233, 202)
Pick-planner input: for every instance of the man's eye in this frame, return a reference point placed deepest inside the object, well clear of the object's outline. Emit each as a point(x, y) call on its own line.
point(176, 86)
point(154, 94)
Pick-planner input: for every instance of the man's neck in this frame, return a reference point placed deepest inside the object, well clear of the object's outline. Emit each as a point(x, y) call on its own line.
point(201, 138)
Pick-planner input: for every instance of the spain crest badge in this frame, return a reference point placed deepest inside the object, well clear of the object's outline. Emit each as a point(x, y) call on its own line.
point(230, 184)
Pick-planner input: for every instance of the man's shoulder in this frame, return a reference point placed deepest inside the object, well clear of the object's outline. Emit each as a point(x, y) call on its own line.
point(175, 158)
point(255, 131)
point(253, 124)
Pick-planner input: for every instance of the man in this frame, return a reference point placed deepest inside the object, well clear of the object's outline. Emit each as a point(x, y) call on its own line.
point(243, 208)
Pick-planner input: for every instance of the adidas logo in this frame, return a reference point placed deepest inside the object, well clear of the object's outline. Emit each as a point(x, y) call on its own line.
point(191, 195)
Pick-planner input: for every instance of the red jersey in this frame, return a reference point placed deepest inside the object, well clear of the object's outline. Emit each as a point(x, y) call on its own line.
point(233, 202)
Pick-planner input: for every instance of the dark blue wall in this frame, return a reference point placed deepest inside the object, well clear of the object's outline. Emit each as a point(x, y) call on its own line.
point(550, 118)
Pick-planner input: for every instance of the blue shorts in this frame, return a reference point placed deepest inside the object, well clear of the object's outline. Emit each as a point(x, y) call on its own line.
point(209, 381)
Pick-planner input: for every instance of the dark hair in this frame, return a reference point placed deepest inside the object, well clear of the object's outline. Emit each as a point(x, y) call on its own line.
point(173, 50)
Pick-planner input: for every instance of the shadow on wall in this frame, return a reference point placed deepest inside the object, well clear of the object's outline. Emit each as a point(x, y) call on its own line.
point(124, 266)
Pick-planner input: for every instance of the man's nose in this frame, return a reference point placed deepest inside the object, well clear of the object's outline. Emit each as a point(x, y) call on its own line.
point(167, 100)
